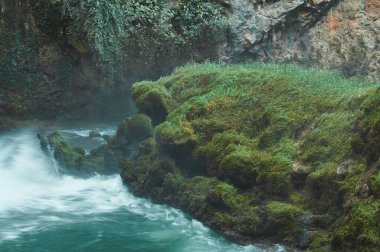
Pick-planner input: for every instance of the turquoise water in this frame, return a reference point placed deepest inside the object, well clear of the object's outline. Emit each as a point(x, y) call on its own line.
point(43, 210)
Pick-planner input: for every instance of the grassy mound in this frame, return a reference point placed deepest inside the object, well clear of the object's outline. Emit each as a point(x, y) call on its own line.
point(265, 150)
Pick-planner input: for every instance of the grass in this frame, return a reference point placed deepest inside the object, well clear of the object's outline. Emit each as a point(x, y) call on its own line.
point(247, 126)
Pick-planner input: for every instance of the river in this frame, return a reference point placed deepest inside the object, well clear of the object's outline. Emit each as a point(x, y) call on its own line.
point(42, 209)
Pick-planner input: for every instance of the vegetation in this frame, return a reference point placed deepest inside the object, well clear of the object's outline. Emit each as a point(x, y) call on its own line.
point(110, 29)
point(265, 145)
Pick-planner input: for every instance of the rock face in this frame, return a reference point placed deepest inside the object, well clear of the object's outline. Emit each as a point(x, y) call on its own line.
point(331, 34)
point(45, 73)
point(42, 75)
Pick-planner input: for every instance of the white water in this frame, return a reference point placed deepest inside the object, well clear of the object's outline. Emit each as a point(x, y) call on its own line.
point(35, 198)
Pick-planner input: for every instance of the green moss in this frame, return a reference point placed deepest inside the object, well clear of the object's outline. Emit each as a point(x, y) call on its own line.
point(284, 210)
point(240, 167)
point(137, 128)
point(63, 152)
point(374, 185)
point(323, 189)
point(367, 143)
point(153, 100)
point(174, 133)
point(360, 229)
point(196, 189)
point(274, 175)
point(224, 196)
point(321, 241)
point(250, 127)
point(147, 147)
point(74, 159)
point(286, 219)
point(221, 145)
point(329, 139)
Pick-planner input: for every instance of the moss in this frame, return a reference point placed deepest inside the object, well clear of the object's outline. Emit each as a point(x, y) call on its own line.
point(153, 100)
point(321, 241)
point(174, 133)
point(223, 196)
point(279, 127)
point(222, 144)
point(63, 152)
point(248, 126)
point(285, 219)
point(374, 185)
point(147, 147)
point(360, 229)
point(223, 220)
point(323, 189)
point(328, 140)
point(240, 167)
point(274, 175)
point(197, 188)
point(369, 128)
point(74, 159)
point(139, 127)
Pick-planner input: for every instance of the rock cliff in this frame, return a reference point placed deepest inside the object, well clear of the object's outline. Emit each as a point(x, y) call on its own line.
point(46, 71)
point(331, 34)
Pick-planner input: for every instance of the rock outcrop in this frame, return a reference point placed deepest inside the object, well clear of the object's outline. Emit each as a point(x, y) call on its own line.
point(74, 160)
point(259, 151)
point(42, 75)
point(331, 34)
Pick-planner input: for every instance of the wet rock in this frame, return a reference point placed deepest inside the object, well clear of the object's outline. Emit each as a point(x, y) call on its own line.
point(107, 138)
point(43, 142)
point(344, 168)
point(74, 160)
point(94, 134)
point(299, 174)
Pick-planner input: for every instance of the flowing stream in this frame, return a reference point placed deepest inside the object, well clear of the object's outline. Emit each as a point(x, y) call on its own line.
point(43, 210)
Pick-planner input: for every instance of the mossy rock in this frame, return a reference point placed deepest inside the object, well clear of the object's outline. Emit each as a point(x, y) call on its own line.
point(62, 151)
point(284, 220)
point(279, 128)
point(174, 134)
point(135, 129)
point(223, 196)
point(360, 230)
point(73, 159)
point(369, 129)
point(147, 147)
point(221, 145)
point(275, 175)
point(153, 100)
point(263, 142)
point(323, 190)
point(374, 185)
point(240, 168)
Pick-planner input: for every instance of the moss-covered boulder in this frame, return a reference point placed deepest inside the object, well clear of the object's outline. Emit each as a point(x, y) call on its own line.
point(359, 230)
point(369, 128)
point(74, 160)
point(263, 151)
point(135, 129)
point(153, 100)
